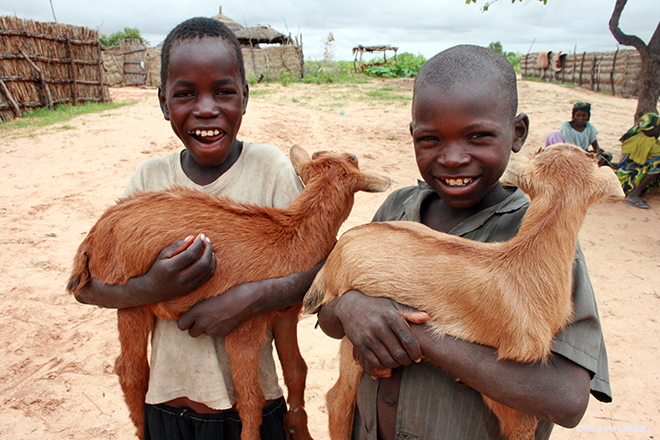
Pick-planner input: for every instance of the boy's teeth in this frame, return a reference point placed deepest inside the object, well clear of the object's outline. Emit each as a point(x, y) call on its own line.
point(204, 133)
point(458, 182)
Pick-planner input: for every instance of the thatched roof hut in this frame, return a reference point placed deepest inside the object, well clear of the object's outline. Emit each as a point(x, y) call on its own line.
point(255, 35)
point(231, 24)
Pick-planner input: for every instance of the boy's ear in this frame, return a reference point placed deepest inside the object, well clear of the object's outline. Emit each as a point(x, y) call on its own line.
point(246, 95)
point(410, 126)
point(162, 100)
point(521, 130)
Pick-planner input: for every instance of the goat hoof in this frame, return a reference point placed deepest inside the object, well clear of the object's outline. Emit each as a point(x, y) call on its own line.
point(295, 423)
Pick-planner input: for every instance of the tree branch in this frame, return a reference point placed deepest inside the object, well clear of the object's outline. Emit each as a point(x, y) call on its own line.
point(624, 39)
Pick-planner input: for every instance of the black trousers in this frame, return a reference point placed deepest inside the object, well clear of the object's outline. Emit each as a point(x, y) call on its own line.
point(162, 422)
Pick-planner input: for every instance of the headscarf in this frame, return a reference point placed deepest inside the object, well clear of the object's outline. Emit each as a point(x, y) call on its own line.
point(582, 106)
point(646, 123)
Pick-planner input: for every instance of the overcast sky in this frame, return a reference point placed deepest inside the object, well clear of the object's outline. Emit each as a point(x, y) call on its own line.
point(417, 26)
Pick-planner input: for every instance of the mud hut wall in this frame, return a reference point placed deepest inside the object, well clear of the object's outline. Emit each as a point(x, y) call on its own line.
point(615, 73)
point(273, 61)
point(63, 65)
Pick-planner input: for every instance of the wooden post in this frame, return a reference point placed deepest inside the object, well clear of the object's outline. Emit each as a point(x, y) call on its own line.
point(14, 105)
point(104, 98)
point(612, 71)
point(74, 74)
point(42, 79)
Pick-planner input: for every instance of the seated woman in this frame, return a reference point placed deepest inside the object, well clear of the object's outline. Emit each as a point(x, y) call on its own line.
point(639, 169)
point(579, 131)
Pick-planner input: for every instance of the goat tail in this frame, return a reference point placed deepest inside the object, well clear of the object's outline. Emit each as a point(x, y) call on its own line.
point(80, 274)
point(342, 397)
point(132, 365)
point(315, 296)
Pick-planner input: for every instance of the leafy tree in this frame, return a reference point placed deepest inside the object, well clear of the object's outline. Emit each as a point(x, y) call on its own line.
point(649, 78)
point(114, 38)
point(513, 57)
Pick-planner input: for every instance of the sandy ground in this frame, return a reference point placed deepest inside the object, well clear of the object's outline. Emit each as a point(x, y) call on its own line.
point(57, 356)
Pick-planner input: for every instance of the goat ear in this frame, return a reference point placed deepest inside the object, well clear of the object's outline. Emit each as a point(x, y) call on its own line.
point(611, 186)
point(299, 157)
point(374, 183)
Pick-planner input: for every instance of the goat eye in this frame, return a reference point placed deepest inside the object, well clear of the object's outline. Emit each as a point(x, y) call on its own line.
point(315, 155)
point(351, 158)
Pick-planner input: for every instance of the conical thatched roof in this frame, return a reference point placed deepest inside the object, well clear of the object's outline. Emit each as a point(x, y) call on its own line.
point(260, 34)
point(231, 24)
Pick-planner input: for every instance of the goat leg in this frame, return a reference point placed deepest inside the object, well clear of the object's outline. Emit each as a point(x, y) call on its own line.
point(244, 355)
point(294, 370)
point(342, 397)
point(132, 365)
point(514, 424)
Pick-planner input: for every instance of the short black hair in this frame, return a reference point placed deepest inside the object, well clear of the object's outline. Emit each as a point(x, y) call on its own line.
point(199, 27)
point(470, 63)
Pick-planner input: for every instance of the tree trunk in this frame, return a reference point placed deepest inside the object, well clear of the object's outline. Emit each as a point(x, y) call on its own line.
point(649, 78)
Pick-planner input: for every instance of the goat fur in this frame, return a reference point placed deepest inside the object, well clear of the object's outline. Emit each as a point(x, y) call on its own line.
point(251, 243)
point(494, 303)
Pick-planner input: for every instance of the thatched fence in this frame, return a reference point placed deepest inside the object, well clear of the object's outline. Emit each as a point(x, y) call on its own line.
point(125, 65)
point(45, 64)
point(615, 73)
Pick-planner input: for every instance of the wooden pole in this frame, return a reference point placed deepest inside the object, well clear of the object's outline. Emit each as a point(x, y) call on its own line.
point(14, 105)
point(74, 73)
point(42, 79)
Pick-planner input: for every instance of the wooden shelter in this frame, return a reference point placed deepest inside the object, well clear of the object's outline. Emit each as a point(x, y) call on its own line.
point(359, 51)
point(45, 64)
point(267, 53)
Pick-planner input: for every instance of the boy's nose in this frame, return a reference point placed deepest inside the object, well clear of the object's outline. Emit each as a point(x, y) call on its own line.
point(453, 156)
point(206, 108)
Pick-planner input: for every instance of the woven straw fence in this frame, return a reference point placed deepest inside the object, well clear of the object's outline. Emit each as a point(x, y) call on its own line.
point(614, 73)
point(45, 64)
point(273, 61)
point(125, 65)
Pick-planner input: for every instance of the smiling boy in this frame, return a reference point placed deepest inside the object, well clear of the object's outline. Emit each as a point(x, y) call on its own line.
point(204, 94)
point(464, 128)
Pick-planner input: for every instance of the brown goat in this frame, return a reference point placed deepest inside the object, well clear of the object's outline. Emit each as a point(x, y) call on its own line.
point(251, 243)
point(495, 303)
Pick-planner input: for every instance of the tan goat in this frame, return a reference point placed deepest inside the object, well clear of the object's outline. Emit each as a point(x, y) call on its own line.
point(494, 303)
point(251, 243)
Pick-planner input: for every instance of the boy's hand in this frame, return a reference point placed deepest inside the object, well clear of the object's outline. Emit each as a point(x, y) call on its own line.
point(378, 329)
point(220, 315)
point(181, 267)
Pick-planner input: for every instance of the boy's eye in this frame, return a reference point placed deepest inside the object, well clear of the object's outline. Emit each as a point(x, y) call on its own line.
point(226, 92)
point(183, 94)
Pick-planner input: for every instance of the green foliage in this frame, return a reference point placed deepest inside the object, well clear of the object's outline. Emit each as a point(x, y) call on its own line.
point(61, 113)
point(407, 65)
point(114, 38)
point(513, 57)
point(330, 72)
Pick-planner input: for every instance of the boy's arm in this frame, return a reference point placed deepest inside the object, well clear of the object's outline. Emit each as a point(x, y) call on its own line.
point(178, 270)
point(557, 390)
point(219, 315)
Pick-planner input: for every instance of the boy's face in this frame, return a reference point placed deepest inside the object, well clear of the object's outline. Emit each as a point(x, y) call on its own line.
point(463, 138)
point(204, 98)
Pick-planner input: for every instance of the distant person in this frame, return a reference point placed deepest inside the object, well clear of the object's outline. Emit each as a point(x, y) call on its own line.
point(554, 138)
point(579, 131)
point(639, 169)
